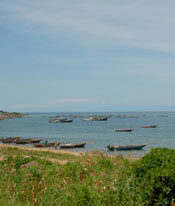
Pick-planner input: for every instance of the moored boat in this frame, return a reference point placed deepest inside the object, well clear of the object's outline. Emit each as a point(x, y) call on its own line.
point(65, 120)
point(126, 147)
point(28, 141)
point(22, 141)
point(9, 140)
point(49, 144)
point(35, 140)
point(96, 118)
point(124, 130)
point(53, 120)
point(61, 120)
point(68, 146)
point(149, 126)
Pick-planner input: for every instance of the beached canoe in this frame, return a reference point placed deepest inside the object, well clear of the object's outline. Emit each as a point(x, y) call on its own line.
point(124, 130)
point(28, 141)
point(35, 140)
point(126, 147)
point(68, 146)
point(149, 126)
point(22, 141)
point(10, 139)
point(49, 144)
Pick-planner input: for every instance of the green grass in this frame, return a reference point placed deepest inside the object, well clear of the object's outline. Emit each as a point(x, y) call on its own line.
point(90, 180)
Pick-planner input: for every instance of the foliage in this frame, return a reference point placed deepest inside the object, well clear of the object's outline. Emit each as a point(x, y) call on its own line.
point(155, 176)
point(92, 180)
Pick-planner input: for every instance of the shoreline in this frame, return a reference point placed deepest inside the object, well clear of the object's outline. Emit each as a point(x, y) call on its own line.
point(130, 156)
point(59, 151)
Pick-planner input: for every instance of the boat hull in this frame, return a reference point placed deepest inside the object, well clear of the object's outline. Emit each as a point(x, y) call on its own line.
point(126, 147)
point(149, 126)
point(49, 144)
point(70, 146)
point(124, 130)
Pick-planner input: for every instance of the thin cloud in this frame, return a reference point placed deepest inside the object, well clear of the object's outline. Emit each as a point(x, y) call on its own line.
point(99, 22)
point(29, 106)
point(86, 100)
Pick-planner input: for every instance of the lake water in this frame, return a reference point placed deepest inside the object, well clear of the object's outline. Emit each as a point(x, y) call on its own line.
point(98, 134)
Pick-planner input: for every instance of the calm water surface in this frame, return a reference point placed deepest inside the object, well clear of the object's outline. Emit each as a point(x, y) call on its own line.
point(98, 134)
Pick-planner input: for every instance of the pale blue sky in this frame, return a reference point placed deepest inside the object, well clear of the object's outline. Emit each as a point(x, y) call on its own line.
point(94, 55)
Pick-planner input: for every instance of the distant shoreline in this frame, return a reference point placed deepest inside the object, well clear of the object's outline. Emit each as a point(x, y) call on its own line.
point(10, 115)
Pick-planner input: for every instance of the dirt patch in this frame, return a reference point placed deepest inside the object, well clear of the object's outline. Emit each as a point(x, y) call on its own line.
point(29, 164)
point(61, 162)
point(1, 158)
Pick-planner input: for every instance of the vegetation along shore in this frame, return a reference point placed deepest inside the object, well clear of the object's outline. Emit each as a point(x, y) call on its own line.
point(9, 115)
point(31, 176)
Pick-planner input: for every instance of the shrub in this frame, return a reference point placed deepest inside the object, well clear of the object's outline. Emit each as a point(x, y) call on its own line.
point(155, 176)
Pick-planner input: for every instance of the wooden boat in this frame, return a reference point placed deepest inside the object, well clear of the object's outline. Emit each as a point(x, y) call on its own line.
point(126, 147)
point(61, 120)
point(68, 146)
point(23, 142)
point(124, 130)
point(28, 141)
point(35, 140)
point(49, 144)
point(96, 118)
point(149, 126)
point(10, 140)
point(53, 120)
point(65, 120)
point(88, 119)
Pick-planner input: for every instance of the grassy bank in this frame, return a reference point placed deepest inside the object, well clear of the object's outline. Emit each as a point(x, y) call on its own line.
point(46, 178)
point(9, 115)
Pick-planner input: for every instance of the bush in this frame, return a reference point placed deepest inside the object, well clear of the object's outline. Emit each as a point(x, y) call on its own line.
point(154, 174)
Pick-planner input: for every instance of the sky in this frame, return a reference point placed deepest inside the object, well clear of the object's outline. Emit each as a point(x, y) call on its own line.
point(95, 55)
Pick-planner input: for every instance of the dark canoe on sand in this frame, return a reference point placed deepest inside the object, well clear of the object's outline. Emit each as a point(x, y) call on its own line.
point(35, 140)
point(28, 141)
point(68, 146)
point(10, 140)
point(126, 147)
point(23, 142)
point(124, 130)
point(149, 126)
point(49, 144)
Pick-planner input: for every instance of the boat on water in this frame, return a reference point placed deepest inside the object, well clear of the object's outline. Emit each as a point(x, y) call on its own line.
point(53, 120)
point(65, 120)
point(126, 147)
point(124, 130)
point(69, 146)
point(96, 118)
point(149, 126)
point(61, 120)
